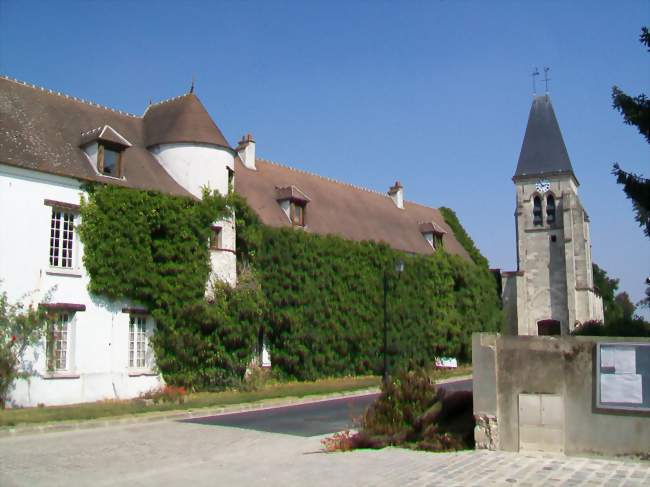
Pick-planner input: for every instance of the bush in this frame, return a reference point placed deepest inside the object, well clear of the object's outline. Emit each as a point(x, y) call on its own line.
point(20, 327)
point(411, 412)
point(166, 394)
point(209, 345)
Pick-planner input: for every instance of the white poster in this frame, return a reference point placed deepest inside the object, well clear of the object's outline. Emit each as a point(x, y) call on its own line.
point(607, 357)
point(622, 388)
point(624, 360)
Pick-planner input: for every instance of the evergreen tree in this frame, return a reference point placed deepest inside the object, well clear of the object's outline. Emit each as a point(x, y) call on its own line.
point(635, 111)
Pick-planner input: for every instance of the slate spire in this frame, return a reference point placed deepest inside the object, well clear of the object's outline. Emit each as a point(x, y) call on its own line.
point(543, 150)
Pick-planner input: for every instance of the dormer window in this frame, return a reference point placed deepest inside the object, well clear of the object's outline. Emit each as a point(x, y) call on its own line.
point(432, 233)
point(109, 160)
point(298, 213)
point(104, 146)
point(293, 202)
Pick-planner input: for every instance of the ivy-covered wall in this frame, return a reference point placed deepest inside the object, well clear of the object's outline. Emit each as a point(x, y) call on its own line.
point(325, 302)
point(318, 299)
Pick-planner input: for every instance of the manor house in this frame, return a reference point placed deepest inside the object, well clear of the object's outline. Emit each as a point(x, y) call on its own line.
point(51, 144)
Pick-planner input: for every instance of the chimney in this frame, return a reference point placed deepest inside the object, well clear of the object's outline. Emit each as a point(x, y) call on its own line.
point(396, 192)
point(246, 151)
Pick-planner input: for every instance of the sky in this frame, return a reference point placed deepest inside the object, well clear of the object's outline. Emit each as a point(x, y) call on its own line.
point(435, 94)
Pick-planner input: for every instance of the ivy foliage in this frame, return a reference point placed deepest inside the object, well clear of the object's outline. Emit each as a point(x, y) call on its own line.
point(320, 302)
point(148, 247)
point(463, 238)
point(152, 248)
point(325, 304)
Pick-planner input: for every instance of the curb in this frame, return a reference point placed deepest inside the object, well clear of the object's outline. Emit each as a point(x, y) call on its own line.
point(155, 416)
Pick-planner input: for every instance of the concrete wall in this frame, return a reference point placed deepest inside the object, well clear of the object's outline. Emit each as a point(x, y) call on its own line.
point(506, 366)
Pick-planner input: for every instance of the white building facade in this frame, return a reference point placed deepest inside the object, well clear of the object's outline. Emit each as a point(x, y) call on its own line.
point(51, 145)
point(98, 349)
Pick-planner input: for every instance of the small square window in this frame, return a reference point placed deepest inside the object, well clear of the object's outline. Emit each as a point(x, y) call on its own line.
point(215, 238)
point(109, 161)
point(553, 238)
point(231, 180)
point(297, 214)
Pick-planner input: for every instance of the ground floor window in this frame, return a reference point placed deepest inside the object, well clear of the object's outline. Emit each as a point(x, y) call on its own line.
point(137, 340)
point(58, 342)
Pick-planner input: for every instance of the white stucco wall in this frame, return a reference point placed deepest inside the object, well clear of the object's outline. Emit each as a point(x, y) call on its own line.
point(195, 166)
point(98, 337)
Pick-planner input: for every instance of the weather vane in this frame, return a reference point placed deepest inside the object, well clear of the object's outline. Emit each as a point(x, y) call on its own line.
point(546, 78)
point(535, 73)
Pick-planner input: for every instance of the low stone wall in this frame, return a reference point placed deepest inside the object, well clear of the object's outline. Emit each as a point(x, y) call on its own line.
point(512, 371)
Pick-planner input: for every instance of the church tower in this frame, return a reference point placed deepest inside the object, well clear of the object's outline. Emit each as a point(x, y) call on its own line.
point(552, 290)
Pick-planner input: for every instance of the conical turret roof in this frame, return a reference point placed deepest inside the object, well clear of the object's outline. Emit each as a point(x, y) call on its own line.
point(181, 119)
point(543, 150)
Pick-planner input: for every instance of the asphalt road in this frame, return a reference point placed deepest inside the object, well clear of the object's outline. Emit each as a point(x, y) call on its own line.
point(312, 419)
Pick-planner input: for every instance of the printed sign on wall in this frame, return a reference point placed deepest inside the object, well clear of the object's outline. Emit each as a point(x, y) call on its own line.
point(623, 376)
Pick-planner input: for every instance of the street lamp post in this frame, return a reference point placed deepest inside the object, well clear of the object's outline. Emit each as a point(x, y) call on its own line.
point(399, 267)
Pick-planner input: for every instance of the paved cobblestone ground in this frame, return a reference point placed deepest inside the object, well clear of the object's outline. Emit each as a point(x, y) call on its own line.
point(172, 453)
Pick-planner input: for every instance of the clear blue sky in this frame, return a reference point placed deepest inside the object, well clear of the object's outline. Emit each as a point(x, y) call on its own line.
point(435, 94)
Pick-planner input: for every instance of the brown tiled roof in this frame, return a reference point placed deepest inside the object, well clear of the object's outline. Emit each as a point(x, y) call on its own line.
point(181, 119)
point(341, 209)
point(42, 130)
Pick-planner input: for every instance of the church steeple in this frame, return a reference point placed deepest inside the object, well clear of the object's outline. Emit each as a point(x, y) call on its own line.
point(543, 151)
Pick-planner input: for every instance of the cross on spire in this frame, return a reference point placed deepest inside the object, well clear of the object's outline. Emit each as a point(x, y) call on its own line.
point(533, 74)
point(546, 78)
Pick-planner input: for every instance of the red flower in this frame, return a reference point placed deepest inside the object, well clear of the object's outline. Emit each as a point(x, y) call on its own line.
point(13, 338)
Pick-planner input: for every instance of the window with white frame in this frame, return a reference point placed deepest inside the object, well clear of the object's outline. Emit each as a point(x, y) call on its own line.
point(61, 238)
point(58, 343)
point(137, 340)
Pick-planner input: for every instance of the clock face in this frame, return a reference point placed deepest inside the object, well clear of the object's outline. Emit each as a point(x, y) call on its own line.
point(543, 186)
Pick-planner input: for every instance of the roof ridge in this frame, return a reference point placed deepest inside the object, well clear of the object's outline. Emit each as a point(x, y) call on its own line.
point(162, 102)
point(423, 206)
point(342, 183)
point(65, 95)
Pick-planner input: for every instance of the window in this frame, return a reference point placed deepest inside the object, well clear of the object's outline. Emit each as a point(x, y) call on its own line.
point(215, 238)
point(61, 238)
point(137, 340)
point(537, 211)
point(297, 213)
point(550, 209)
point(231, 180)
point(57, 343)
point(437, 239)
point(109, 161)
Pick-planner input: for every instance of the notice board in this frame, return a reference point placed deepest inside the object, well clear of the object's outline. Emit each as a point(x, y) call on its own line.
point(623, 376)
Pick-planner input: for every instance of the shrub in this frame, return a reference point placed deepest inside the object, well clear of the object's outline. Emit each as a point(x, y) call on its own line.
point(166, 393)
point(20, 327)
point(411, 412)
